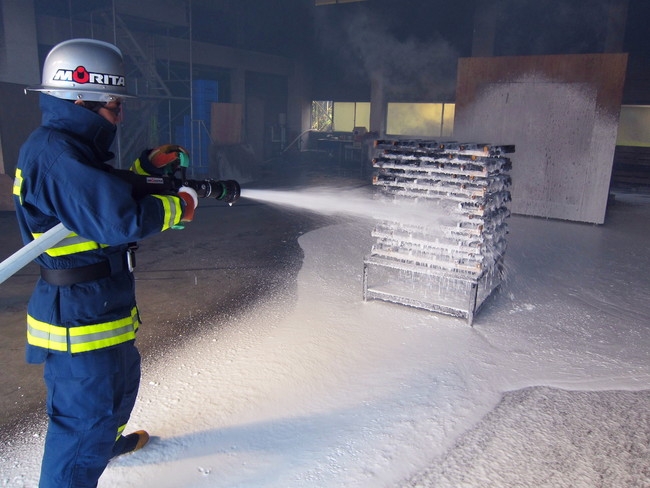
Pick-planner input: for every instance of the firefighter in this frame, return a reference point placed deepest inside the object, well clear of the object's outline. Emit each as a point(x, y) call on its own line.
point(82, 317)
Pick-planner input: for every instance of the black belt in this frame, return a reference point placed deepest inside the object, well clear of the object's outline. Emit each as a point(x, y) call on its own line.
point(115, 264)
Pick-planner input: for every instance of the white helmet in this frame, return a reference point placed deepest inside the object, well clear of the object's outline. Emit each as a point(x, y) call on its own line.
point(84, 69)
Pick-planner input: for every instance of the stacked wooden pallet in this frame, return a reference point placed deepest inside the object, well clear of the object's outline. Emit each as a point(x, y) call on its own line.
point(631, 167)
point(450, 259)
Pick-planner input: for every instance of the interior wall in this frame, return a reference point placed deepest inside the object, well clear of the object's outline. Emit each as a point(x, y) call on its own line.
point(18, 47)
point(254, 124)
point(19, 116)
point(561, 112)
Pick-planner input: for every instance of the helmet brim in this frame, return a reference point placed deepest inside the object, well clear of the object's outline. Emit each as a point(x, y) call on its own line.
point(79, 94)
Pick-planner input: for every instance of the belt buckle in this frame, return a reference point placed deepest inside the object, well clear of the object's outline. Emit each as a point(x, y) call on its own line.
point(130, 260)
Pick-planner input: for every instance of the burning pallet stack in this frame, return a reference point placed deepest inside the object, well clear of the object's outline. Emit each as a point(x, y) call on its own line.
point(450, 258)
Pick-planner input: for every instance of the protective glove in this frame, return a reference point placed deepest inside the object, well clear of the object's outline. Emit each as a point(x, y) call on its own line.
point(190, 202)
point(171, 155)
point(164, 159)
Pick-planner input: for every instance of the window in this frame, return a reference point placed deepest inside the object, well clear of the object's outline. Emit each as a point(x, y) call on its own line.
point(420, 119)
point(634, 126)
point(339, 116)
point(402, 119)
point(348, 115)
point(321, 115)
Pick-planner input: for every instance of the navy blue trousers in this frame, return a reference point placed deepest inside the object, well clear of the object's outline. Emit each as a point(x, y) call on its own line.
point(90, 396)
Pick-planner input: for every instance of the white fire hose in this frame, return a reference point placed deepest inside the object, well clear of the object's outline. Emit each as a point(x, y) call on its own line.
point(31, 251)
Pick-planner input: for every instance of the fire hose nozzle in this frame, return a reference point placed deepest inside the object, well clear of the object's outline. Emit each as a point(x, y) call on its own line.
point(227, 190)
point(231, 191)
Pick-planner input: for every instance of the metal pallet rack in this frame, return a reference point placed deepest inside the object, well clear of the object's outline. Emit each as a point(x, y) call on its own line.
point(450, 259)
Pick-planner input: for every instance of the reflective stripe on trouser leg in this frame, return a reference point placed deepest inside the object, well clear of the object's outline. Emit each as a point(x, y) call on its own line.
point(120, 431)
point(86, 396)
point(131, 366)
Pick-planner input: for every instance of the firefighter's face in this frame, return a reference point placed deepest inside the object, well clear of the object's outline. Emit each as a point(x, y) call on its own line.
point(112, 111)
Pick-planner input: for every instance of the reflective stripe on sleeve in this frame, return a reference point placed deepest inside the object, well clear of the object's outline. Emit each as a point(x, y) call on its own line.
point(137, 168)
point(172, 208)
point(18, 184)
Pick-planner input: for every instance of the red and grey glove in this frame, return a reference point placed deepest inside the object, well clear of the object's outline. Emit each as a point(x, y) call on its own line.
point(168, 155)
point(190, 202)
point(164, 159)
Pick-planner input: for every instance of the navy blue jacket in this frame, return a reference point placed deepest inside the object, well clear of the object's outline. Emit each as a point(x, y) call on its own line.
point(62, 176)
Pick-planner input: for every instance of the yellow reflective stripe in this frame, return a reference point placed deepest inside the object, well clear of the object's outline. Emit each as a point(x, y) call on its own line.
point(172, 208)
point(90, 337)
point(18, 184)
point(71, 245)
point(120, 429)
point(136, 167)
point(82, 338)
point(45, 335)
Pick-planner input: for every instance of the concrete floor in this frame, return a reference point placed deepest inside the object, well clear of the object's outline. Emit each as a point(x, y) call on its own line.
point(225, 260)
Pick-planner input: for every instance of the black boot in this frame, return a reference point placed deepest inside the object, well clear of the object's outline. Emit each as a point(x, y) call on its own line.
point(130, 443)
